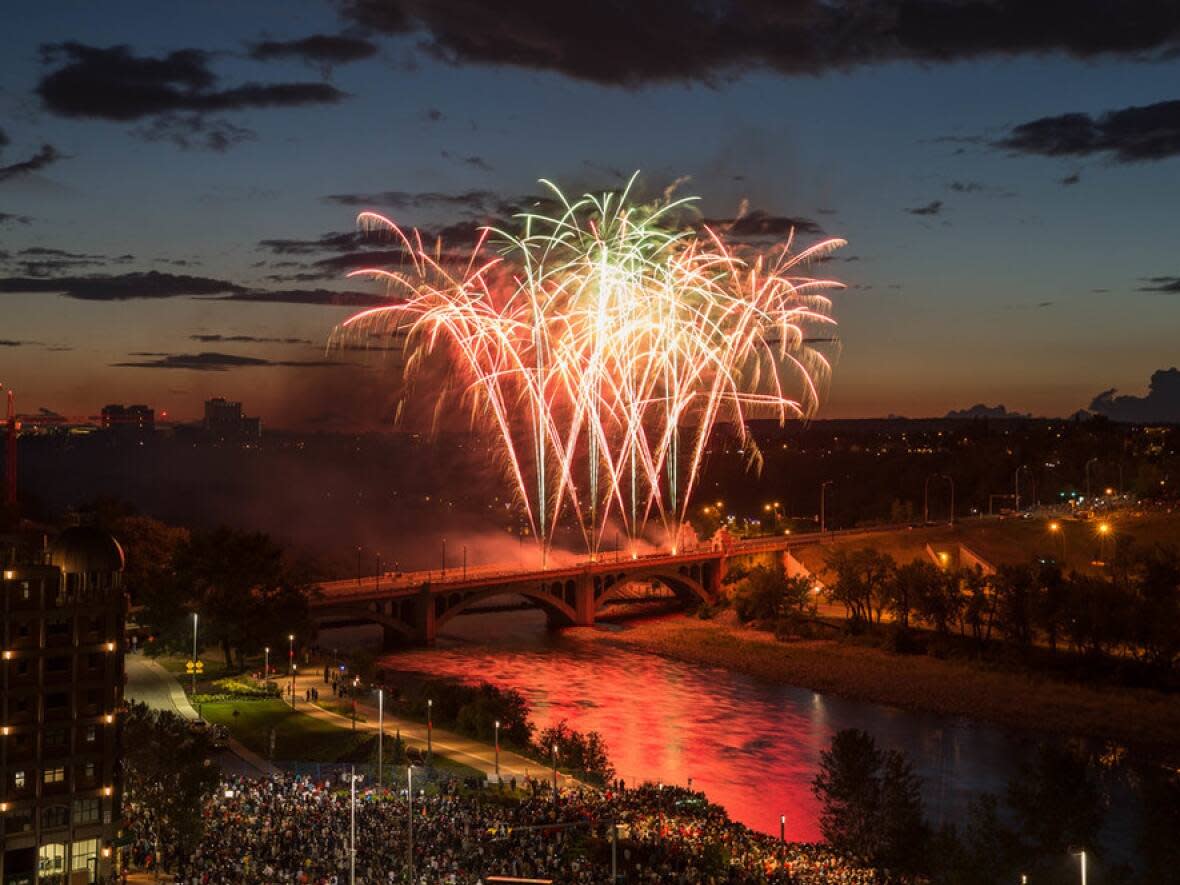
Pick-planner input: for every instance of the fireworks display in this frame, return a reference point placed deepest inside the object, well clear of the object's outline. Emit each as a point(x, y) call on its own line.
point(601, 342)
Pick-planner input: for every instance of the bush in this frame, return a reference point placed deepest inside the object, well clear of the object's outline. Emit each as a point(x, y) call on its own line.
point(239, 687)
point(584, 754)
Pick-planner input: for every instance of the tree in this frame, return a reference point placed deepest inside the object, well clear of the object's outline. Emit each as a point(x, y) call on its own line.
point(1158, 845)
point(986, 851)
point(1015, 589)
point(1056, 801)
point(585, 753)
point(238, 581)
point(149, 546)
point(168, 772)
point(765, 593)
point(1051, 607)
point(978, 605)
point(871, 805)
point(1155, 621)
point(930, 591)
point(862, 578)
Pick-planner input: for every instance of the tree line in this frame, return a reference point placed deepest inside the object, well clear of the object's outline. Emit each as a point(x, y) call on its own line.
point(1130, 614)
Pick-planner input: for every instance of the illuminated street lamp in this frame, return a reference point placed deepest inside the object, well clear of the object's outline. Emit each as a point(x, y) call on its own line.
point(356, 681)
point(1055, 529)
point(555, 776)
point(1103, 530)
point(823, 487)
point(291, 664)
point(266, 665)
point(1082, 858)
point(497, 751)
point(194, 691)
point(429, 731)
point(380, 735)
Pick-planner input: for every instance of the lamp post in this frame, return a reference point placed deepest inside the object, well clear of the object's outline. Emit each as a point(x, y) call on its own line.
point(782, 828)
point(266, 665)
point(291, 665)
point(1016, 490)
point(497, 751)
point(1082, 857)
point(444, 559)
point(358, 563)
point(194, 682)
point(555, 777)
point(464, 562)
point(380, 735)
point(1087, 472)
point(410, 794)
point(823, 486)
point(1055, 529)
point(429, 731)
point(352, 827)
point(378, 585)
point(356, 681)
point(1103, 531)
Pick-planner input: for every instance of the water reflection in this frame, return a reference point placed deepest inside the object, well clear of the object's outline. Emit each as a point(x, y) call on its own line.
point(753, 747)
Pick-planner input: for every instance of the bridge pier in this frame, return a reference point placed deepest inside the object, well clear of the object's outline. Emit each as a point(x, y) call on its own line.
point(584, 604)
point(424, 628)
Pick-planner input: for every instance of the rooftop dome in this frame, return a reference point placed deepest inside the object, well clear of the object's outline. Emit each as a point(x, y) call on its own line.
point(86, 549)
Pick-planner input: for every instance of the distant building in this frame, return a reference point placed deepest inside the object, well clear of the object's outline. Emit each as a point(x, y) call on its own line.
point(224, 421)
point(61, 626)
point(128, 421)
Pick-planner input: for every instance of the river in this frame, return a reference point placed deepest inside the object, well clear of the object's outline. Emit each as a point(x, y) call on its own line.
point(752, 746)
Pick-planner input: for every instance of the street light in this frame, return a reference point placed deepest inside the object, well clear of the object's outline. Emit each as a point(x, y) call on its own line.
point(926, 497)
point(1082, 857)
point(352, 827)
point(555, 776)
point(823, 486)
point(356, 681)
point(291, 664)
point(1016, 490)
point(1087, 470)
point(266, 665)
point(497, 751)
point(1103, 530)
point(782, 828)
point(429, 731)
point(194, 691)
point(380, 735)
point(410, 794)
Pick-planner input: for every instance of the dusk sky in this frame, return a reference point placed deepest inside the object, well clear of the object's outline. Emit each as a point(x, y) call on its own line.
point(173, 176)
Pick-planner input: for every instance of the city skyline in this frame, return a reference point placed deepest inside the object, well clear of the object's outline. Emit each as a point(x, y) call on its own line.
point(178, 189)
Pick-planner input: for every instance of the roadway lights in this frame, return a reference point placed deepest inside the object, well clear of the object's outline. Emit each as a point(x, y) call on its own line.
point(1054, 526)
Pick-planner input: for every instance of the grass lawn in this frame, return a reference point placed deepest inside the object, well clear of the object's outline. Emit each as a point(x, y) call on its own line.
point(297, 737)
point(304, 738)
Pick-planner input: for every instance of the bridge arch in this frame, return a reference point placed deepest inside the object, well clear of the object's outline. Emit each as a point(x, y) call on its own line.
point(371, 613)
point(549, 598)
point(685, 583)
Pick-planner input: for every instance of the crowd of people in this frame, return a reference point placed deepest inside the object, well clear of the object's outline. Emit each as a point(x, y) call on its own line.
point(296, 829)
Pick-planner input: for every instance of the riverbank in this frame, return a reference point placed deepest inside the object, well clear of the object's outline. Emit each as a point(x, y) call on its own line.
point(916, 682)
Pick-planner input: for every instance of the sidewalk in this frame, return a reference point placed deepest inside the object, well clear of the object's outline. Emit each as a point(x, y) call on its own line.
point(460, 748)
point(150, 683)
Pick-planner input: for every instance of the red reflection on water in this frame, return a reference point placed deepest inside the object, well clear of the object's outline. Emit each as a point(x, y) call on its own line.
point(752, 748)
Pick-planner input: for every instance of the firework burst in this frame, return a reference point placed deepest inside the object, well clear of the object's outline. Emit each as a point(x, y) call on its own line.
point(602, 344)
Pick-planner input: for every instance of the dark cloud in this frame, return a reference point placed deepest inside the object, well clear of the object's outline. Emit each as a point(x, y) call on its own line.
point(321, 49)
point(1071, 179)
point(932, 208)
point(8, 342)
point(329, 242)
point(1161, 284)
point(4, 140)
point(432, 115)
point(47, 155)
point(214, 362)
point(328, 297)
point(1161, 404)
point(122, 287)
point(976, 187)
point(979, 410)
point(645, 41)
point(757, 224)
point(1130, 135)
point(43, 261)
point(9, 218)
point(193, 131)
point(246, 339)
point(115, 84)
point(473, 200)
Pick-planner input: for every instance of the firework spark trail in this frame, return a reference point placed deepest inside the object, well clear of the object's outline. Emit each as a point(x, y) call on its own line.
point(603, 344)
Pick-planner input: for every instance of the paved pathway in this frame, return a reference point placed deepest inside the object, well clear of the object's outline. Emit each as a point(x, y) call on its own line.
point(151, 684)
point(460, 748)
